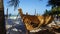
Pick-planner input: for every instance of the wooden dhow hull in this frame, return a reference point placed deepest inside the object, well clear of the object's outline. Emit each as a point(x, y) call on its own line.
point(34, 22)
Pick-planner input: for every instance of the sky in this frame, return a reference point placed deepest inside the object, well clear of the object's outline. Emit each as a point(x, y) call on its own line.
point(28, 6)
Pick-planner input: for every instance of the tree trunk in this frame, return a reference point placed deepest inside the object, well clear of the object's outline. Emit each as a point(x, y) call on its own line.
point(2, 20)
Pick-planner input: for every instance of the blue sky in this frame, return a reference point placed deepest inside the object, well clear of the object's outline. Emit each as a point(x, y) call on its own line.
point(28, 6)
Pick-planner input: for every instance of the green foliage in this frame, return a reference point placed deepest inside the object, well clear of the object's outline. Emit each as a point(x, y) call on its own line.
point(54, 3)
point(47, 12)
point(55, 10)
point(55, 6)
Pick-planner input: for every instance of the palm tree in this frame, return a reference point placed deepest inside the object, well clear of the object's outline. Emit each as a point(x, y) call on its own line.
point(55, 6)
point(2, 20)
point(54, 3)
point(56, 10)
point(14, 3)
point(46, 12)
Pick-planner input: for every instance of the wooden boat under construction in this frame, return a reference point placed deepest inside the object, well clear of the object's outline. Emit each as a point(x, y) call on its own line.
point(33, 22)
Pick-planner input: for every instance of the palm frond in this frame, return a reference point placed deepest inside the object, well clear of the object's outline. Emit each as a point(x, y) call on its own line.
point(14, 3)
point(54, 2)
